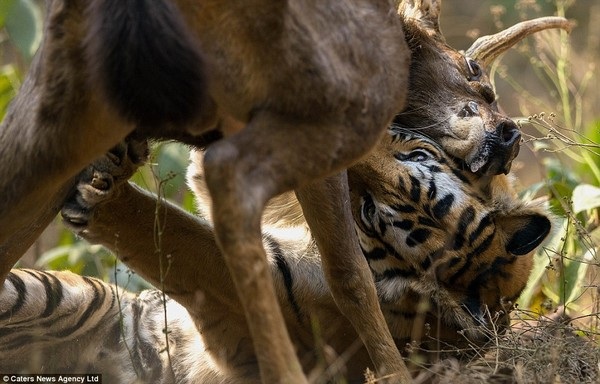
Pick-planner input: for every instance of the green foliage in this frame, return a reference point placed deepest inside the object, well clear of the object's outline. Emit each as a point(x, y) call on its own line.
point(567, 144)
point(23, 22)
point(20, 34)
point(165, 173)
point(9, 83)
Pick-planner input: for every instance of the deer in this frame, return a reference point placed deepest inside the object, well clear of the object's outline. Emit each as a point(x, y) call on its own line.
point(285, 96)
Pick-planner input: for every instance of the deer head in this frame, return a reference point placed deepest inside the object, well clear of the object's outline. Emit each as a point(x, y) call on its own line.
point(451, 97)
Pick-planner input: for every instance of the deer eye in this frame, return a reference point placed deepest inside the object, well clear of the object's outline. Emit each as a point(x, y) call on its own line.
point(475, 71)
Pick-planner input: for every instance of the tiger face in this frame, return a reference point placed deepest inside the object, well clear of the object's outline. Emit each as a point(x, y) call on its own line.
point(440, 238)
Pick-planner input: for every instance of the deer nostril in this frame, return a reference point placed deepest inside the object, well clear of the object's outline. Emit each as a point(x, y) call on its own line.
point(508, 132)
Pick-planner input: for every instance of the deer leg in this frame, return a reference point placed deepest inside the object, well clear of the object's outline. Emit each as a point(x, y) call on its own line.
point(243, 172)
point(240, 185)
point(42, 158)
point(326, 207)
point(14, 246)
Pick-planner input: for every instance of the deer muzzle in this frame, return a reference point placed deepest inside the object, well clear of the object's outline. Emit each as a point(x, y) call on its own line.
point(498, 151)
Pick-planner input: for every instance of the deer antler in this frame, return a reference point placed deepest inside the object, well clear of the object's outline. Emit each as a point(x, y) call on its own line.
point(424, 12)
point(486, 49)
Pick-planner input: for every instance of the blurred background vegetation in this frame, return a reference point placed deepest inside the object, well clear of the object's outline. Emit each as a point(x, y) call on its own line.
point(548, 84)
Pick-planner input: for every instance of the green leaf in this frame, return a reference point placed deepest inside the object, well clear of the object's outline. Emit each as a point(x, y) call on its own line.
point(575, 275)
point(9, 83)
point(5, 7)
point(592, 132)
point(556, 171)
point(189, 202)
point(55, 258)
point(172, 161)
point(585, 197)
point(24, 26)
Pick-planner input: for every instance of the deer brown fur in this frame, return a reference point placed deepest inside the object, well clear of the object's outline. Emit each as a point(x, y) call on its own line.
point(288, 71)
point(312, 96)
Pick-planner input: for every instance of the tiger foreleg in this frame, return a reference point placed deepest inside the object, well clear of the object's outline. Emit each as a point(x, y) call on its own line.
point(167, 246)
point(170, 248)
point(105, 209)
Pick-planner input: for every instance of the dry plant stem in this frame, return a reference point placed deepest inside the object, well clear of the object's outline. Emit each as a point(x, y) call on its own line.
point(122, 325)
point(158, 233)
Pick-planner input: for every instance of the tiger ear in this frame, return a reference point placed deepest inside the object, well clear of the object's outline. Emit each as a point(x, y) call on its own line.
point(524, 231)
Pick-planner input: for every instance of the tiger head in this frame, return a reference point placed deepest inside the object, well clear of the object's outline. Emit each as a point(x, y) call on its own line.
point(446, 246)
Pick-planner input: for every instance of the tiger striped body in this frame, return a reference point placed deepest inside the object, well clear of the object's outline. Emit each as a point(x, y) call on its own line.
point(445, 247)
point(61, 322)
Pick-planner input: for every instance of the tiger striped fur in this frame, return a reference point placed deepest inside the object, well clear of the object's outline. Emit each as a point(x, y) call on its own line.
point(61, 322)
point(449, 251)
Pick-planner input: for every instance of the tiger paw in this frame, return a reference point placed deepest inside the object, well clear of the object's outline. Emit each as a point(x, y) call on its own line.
point(100, 181)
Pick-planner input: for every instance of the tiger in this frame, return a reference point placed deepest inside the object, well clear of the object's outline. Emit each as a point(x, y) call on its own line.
point(449, 250)
point(58, 321)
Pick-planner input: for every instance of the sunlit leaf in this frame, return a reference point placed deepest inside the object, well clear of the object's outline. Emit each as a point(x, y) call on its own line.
point(551, 293)
point(592, 133)
point(55, 258)
point(189, 202)
point(585, 197)
point(24, 25)
point(574, 274)
point(172, 161)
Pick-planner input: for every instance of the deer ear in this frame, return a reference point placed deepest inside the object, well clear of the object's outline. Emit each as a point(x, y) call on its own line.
point(425, 13)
